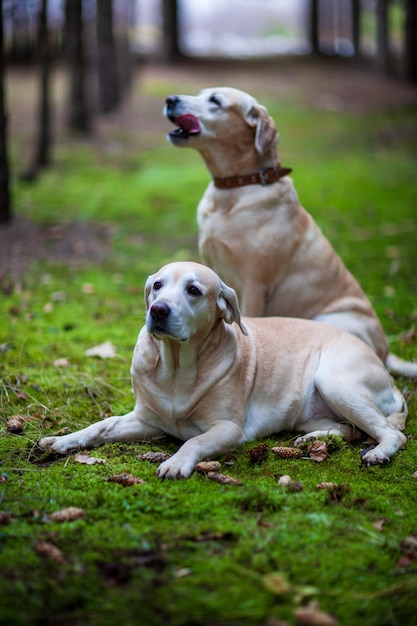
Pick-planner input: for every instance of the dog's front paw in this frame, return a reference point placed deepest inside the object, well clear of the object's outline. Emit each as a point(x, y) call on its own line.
point(60, 445)
point(175, 468)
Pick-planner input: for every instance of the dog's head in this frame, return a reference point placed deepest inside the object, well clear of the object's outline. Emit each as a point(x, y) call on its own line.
point(224, 114)
point(185, 300)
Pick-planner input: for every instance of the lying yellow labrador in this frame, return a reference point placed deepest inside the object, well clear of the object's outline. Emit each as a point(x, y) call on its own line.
point(252, 229)
point(203, 375)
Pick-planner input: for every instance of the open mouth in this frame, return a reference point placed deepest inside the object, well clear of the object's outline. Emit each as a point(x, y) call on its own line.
point(187, 125)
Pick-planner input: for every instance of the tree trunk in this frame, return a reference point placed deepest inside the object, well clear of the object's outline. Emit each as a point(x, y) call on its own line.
point(356, 27)
point(411, 40)
point(108, 83)
point(314, 29)
point(171, 51)
point(383, 51)
point(78, 109)
point(43, 148)
point(5, 200)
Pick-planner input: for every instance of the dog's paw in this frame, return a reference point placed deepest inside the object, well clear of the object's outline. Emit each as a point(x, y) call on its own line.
point(59, 445)
point(173, 469)
point(374, 456)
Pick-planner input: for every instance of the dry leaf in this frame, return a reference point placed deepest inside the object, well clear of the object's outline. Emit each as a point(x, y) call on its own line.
point(127, 480)
point(48, 308)
point(223, 479)
point(310, 615)
point(5, 518)
point(15, 424)
point(69, 514)
point(379, 524)
point(277, 583)
point(88, 288)
point(408, 336)
point(44, 548)
point(86, 459)
point(104, 350)
point(409, 549)
point(207, 466)
point(154, 457)
point(317, 450)
point(63, 362)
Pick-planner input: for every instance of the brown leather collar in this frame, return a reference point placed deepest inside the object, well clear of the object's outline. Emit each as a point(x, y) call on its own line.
point(265, 177)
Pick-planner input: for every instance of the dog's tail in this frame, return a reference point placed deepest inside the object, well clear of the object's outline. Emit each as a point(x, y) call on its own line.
point(399, 367)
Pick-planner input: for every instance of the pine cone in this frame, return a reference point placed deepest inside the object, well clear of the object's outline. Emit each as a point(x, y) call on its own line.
point(287, 453)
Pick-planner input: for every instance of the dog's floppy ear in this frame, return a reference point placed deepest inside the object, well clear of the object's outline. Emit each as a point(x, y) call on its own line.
point(148, 287)
point(266, 135)
point(228, 306)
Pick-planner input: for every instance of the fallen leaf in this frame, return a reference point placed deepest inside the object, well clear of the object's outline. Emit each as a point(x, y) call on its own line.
point(45, 548)
point(154, 457)
point(104, 350)
point(379, 524)
point(63, 362)
point(86, 459)
point(182, 572)
point(88, 288)
point(310, 615)
point(5, 518)
point(223, 479)
point(48, 308)
point(207, 466)
point(277, 583)
point(69, 514)
point(317, 450)
point(409, 549)
point(127, 480)
point(408, 336)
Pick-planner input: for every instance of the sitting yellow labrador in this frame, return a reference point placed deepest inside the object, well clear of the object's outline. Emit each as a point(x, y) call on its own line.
point(252, 229)
point(203, 375)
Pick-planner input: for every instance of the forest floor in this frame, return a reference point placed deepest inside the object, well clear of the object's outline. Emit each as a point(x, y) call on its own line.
point(329, 85)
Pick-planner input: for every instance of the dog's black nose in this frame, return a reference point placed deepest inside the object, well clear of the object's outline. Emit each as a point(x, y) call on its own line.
point(171, 101)
point(159, 311)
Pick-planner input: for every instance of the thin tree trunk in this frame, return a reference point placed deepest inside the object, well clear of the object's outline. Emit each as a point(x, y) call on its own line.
point(383, 51)
point(78, 109)
point(411, 40)
point(108, 82)
point(43, 148)
point(356, 27)
point(171, 51)
point(5, 199)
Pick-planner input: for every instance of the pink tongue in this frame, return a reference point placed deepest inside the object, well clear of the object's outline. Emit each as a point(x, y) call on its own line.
point(189, 123)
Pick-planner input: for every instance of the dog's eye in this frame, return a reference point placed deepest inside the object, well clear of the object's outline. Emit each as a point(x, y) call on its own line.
point(215, 100)
point(194, 291)
point(157, 285)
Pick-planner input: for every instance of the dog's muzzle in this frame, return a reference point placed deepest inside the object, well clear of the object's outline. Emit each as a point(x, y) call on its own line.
point(187, 124)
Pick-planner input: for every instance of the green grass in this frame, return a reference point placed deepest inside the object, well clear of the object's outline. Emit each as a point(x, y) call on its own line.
point(196, 552)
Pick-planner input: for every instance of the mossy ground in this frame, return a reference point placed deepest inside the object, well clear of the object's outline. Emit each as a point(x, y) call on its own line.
point(196, 552)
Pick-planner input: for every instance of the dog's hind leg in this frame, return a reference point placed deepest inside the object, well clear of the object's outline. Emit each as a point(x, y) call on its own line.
point(372, 408)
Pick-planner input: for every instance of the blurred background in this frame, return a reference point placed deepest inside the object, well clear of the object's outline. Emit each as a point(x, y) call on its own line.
point(99, 48)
